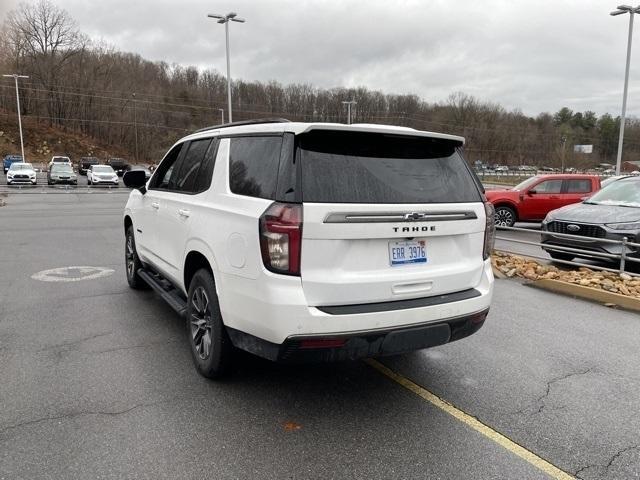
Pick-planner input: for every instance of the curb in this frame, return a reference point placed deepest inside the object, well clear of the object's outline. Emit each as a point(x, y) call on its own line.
point(588, 293)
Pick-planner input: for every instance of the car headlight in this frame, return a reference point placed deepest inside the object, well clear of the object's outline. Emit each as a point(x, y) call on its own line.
point(624, 226)
point(549, 218)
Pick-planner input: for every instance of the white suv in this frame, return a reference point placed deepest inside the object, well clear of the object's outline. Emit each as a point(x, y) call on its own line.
point(58, 159)
point(313, 241)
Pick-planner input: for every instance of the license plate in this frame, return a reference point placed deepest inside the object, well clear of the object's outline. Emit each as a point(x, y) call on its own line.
point(407, 252)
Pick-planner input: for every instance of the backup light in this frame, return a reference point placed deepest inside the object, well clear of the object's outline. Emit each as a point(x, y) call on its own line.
point(490, 230)
point(281, 238)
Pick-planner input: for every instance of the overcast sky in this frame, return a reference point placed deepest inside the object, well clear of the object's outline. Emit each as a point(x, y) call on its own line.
point(532, 55)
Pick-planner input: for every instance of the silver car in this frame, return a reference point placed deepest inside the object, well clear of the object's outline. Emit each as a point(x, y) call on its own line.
point(21, 173)
point(612, 213)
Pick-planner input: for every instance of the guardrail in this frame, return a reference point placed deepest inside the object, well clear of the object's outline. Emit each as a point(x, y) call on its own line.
point(531, 173)
point(621, 259)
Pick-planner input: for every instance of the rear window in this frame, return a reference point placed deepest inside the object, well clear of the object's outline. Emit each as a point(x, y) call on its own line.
point(578, 186)
point(348, 167)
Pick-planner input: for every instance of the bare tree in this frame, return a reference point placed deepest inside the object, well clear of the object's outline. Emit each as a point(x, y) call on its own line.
point(42, 38)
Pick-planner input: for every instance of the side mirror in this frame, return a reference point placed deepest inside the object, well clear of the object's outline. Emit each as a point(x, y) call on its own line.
point(135, 179)
point(532, 192)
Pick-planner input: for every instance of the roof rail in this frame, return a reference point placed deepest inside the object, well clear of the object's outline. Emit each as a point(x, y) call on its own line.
point(244, 122)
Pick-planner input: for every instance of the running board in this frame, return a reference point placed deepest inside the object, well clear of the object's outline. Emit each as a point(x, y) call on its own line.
point(168, 293)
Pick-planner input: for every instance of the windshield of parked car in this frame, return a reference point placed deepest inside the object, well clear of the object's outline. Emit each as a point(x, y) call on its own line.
point(62, 169)
point(103, 169)
point(21, 166)
point(60, 159)
point(526, 184)
point(611, 180)
point(622, 193)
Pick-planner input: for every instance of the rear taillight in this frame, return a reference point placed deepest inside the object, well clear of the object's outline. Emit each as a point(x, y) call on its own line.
point(281, 238)
point(490, 230)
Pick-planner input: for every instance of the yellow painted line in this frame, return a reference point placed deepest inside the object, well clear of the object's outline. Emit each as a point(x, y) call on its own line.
point(477, 425)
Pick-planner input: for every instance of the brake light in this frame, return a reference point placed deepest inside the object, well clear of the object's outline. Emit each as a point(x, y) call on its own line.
point(490, 230)
point(281, 238)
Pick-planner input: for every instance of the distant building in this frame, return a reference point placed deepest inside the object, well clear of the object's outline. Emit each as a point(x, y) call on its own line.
point(631, 166)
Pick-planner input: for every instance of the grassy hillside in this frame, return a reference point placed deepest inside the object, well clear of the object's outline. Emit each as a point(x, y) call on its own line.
point(41, 141)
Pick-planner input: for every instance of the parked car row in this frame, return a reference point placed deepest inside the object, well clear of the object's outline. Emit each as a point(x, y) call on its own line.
point(61, 173)
point(578, 205)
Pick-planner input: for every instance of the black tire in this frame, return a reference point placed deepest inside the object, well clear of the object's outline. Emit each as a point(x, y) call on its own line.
point(505, 216)
point(132, 262)
point(204, 321)
point(561, 255)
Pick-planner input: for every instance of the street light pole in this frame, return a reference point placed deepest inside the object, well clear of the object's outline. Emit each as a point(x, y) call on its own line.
point(564, 144)
point(622, 9)
point(348, 104)
point(221, 110)
point(135, 124)
point(15, 77)
point(225, 19)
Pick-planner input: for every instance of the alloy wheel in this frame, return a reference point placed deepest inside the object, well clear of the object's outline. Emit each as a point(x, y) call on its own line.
point(201, 323)
point(130, 259)
point(504, 218)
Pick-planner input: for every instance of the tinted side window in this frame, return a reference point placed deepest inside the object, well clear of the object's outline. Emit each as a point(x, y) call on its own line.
point(253, 165)
point(164, 173)
point(549, 186)
point(205, 174)
point(578, 186)
point(185, 180)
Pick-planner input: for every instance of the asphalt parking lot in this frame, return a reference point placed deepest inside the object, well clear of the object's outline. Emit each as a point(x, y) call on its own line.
point(96, 381)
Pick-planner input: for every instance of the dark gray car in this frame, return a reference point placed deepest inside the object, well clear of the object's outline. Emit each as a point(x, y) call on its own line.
point(612, 213)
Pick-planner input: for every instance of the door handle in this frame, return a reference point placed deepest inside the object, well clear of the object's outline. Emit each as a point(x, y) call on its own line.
point(184, 213)
point(155, 205)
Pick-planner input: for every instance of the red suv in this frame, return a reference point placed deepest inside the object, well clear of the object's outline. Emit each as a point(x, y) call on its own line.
point(532, 199)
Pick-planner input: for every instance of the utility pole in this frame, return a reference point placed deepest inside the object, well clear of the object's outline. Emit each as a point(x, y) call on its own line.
point(221, 110)
point(225, 19)
point(15, 77)
point(564, 143)
point(622, 9)
point(135, 125)
point(348, 104)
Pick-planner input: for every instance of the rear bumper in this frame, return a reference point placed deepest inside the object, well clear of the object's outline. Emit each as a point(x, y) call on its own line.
point(363, 344)
point(276, 310)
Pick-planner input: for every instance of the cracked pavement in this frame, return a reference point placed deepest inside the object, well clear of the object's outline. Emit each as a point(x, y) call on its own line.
point(97, 382)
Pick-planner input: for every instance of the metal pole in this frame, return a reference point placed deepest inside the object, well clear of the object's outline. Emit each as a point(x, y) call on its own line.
point(623, 256)
point(135, 125)
point(349, 113)
point(624, 96)
point(221, 116)
point(15, 77)
point(564, 143)
point(226, 27)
